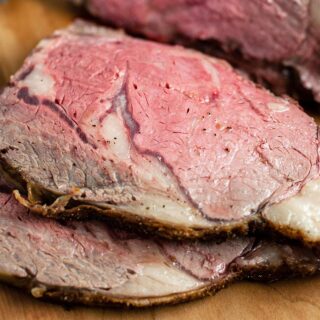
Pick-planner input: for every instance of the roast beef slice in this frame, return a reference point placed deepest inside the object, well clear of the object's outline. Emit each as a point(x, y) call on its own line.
point(100, 123)
point(95, 264)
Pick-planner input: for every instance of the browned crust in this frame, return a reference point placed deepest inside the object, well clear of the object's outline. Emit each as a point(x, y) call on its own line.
point(88, 298)
point(70, 295)
point(253, 224)
point(267, 274)
point(292, 233)
point(144, 224)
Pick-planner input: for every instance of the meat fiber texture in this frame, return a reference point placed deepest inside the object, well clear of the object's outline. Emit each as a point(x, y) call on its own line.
point(281, 31)
point(98, 123)
point(94, 264)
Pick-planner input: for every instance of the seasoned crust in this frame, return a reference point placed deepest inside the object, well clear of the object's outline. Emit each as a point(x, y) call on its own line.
point(90, 298)
point(292, 233)
point(250, 225)
point(136, 222)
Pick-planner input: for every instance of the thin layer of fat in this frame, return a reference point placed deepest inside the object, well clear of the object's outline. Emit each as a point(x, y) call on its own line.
point(161, 208)
point(157, 280)
point(38, 82)
point(300, 213)
point(166, 210)
point(154, 206)
point(112, 131)
point(150, 174)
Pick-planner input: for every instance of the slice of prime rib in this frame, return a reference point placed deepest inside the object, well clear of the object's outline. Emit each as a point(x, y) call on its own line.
point(97, 123)
point(279, 32)
point(95, 264)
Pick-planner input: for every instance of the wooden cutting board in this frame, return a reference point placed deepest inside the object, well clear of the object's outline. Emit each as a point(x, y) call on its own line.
point(22, 24)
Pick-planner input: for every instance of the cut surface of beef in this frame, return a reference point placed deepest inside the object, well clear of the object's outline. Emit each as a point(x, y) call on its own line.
point(95, 264)
point(99, 123)
point(281, 31)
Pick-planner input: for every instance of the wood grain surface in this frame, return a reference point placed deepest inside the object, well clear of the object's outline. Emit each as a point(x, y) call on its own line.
point(22, 24)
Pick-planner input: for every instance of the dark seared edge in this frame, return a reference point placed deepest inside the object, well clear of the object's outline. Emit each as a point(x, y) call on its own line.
point(251, 225)
point(143, 224)
point(90, 298)
point(69, 295)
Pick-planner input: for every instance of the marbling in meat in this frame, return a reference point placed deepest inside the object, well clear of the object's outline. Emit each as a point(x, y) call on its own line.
point(102, 123)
